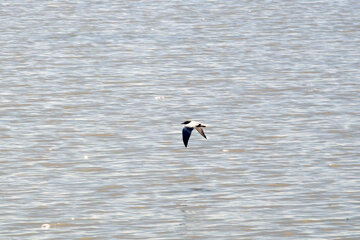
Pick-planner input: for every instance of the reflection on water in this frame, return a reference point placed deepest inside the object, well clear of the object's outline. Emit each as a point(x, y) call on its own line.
point(93, 94)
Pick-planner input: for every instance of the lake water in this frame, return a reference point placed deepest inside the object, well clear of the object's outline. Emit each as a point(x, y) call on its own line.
point(93, 94)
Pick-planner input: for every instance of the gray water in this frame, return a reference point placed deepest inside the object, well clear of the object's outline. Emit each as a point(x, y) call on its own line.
point(93, 94)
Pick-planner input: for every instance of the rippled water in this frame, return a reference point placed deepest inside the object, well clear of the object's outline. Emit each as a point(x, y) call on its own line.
point(93, 93)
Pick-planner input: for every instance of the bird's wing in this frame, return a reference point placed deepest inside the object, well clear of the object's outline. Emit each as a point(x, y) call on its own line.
point(186, 135)
point(200, 130)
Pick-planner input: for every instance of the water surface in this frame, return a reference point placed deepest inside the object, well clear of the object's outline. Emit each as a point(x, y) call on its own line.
point(92, 94)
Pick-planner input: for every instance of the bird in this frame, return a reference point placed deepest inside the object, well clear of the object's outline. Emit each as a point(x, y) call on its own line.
point(188, 127)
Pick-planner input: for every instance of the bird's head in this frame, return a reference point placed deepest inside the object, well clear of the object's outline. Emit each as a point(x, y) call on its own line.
point(186, 122)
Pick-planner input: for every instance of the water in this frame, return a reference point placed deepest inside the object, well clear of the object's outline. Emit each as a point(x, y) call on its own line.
point(93, 94)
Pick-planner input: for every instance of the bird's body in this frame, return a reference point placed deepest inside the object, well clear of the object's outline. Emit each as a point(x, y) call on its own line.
point(189, 126)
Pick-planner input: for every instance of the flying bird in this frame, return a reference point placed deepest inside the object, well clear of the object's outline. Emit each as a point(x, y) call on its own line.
point(189, 126)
